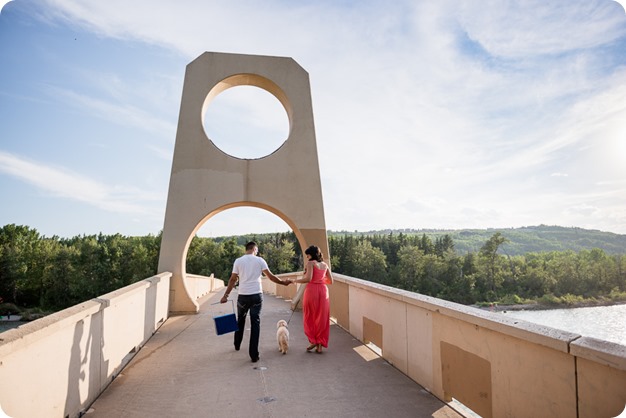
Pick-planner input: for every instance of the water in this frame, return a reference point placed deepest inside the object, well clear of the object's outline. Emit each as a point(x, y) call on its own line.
point(7, 325)
point(602, 322)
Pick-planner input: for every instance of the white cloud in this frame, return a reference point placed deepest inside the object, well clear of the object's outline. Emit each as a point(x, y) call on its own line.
point(4, 3)
point(63, 183)
point(457, 111)
point(116, 113)
point(531, 28)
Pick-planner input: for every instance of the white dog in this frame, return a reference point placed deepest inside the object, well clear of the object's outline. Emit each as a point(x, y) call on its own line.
point(282, 335)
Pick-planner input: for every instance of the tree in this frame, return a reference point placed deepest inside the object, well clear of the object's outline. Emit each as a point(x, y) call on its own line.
point(443, 245)
point(279, 257)
point(409, 268)
point(426, 245)
point(17, 259)
point(204, 257)
point(489, 255)
point(63, 281)
point(369, 263)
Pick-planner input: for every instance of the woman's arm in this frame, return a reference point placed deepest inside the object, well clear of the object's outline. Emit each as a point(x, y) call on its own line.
point(308, 273)
point(329, 276)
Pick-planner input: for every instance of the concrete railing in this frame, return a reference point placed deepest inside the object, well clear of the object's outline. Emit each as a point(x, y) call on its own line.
point(495, 365)
point(199, 286)
point(57, 366)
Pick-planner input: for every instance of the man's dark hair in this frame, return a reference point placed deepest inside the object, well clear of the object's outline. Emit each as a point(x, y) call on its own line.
point(250, 245)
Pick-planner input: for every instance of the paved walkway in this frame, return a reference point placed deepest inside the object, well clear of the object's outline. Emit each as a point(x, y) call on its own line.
point(186, 370)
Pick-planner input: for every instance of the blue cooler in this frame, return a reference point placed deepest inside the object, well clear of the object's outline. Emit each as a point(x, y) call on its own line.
point(226, 323)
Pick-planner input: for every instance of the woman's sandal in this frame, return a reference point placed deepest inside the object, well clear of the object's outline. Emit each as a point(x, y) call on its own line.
point(311, 347)
point(318, 350)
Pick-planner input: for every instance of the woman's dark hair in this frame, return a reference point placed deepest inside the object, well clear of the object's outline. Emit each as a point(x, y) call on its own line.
point(315, 253)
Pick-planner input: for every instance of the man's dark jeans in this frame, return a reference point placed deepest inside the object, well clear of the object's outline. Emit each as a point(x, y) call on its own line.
point(252, 303)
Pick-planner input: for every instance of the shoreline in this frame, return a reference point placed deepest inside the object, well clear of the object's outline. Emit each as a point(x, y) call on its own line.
point(545, 307)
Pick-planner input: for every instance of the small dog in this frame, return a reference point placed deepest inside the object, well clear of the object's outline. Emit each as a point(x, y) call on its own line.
point(282, 335)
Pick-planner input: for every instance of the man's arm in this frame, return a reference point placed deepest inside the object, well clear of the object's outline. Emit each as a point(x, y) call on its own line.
point(275, 279)
point(234, 277)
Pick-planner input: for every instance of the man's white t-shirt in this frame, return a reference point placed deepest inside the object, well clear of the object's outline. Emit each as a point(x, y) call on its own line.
point(249, 269)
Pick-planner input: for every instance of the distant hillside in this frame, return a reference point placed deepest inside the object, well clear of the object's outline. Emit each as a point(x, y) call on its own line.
point(540, 238)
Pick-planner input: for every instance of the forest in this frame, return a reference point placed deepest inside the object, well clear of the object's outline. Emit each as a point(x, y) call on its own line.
point(45, 274)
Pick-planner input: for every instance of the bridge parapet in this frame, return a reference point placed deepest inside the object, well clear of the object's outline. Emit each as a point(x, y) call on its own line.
point(497, 366)
point(57, 366)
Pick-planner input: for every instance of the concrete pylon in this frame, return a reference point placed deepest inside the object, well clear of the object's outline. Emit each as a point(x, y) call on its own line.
point(205, 181)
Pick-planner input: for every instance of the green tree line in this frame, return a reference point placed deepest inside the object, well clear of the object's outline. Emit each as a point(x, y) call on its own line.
point(419, 264)
point(55, 273)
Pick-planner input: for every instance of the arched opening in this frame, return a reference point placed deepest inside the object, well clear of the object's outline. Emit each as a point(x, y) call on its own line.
point(220, 239)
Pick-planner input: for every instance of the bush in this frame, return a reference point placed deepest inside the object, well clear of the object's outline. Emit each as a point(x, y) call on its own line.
point(616, 295)
point(549, 299)
point(570, 299)
point(511, 300)
point(9, 309)
point(32, 314)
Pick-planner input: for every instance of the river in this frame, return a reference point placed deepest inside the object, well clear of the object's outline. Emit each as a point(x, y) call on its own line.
point(602, 322)
point(7, 325)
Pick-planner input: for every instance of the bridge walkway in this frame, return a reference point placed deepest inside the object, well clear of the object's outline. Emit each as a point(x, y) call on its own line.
point(186, 370)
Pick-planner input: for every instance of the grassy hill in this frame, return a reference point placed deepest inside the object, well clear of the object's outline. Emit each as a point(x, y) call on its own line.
point(523, 240)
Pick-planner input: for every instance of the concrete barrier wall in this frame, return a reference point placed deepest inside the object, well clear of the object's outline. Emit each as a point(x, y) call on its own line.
point(58, 365)
point(199, 286)
point(496, 365)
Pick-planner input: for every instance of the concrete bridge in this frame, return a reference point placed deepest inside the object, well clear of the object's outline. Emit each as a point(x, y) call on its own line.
point(392, 352)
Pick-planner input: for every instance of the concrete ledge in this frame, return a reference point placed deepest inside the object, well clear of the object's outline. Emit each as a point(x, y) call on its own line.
point(24, 335)
point(538, 334)
point(69, 357)
point(427, 338)
point(602, 352)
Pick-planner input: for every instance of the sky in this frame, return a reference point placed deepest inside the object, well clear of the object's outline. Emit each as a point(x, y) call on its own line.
point(428, 114)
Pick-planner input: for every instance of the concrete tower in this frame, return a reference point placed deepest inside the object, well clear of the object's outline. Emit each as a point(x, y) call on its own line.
point(205, 180)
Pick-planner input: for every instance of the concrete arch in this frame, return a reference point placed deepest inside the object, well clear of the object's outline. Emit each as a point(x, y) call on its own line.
point(205, 181)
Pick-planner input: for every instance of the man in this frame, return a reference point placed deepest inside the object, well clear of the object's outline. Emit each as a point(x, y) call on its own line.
point(247, 270)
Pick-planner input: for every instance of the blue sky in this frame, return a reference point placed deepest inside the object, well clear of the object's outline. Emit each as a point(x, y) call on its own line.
point(429, 114)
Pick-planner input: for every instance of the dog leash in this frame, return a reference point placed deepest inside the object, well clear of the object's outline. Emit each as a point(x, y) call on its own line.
point(294, 310)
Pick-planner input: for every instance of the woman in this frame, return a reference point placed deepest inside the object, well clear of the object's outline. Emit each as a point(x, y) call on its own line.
point(315, 302)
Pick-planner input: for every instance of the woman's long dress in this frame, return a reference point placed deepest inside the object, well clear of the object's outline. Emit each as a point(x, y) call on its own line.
point(316, 309)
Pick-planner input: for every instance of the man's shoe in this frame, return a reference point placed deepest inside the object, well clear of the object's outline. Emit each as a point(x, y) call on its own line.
point(255, 359)
point(237, 347)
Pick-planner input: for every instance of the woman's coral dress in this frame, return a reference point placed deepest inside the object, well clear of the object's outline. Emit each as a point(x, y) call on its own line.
point(316, 308)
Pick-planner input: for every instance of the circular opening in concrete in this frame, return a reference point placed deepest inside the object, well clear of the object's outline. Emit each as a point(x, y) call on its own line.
point(242, 220)
point(246, 122)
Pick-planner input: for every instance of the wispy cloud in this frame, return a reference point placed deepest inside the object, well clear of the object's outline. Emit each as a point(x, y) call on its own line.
point(537, 28)
point(117, 113)
point(64, 183)
point(447, 112)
